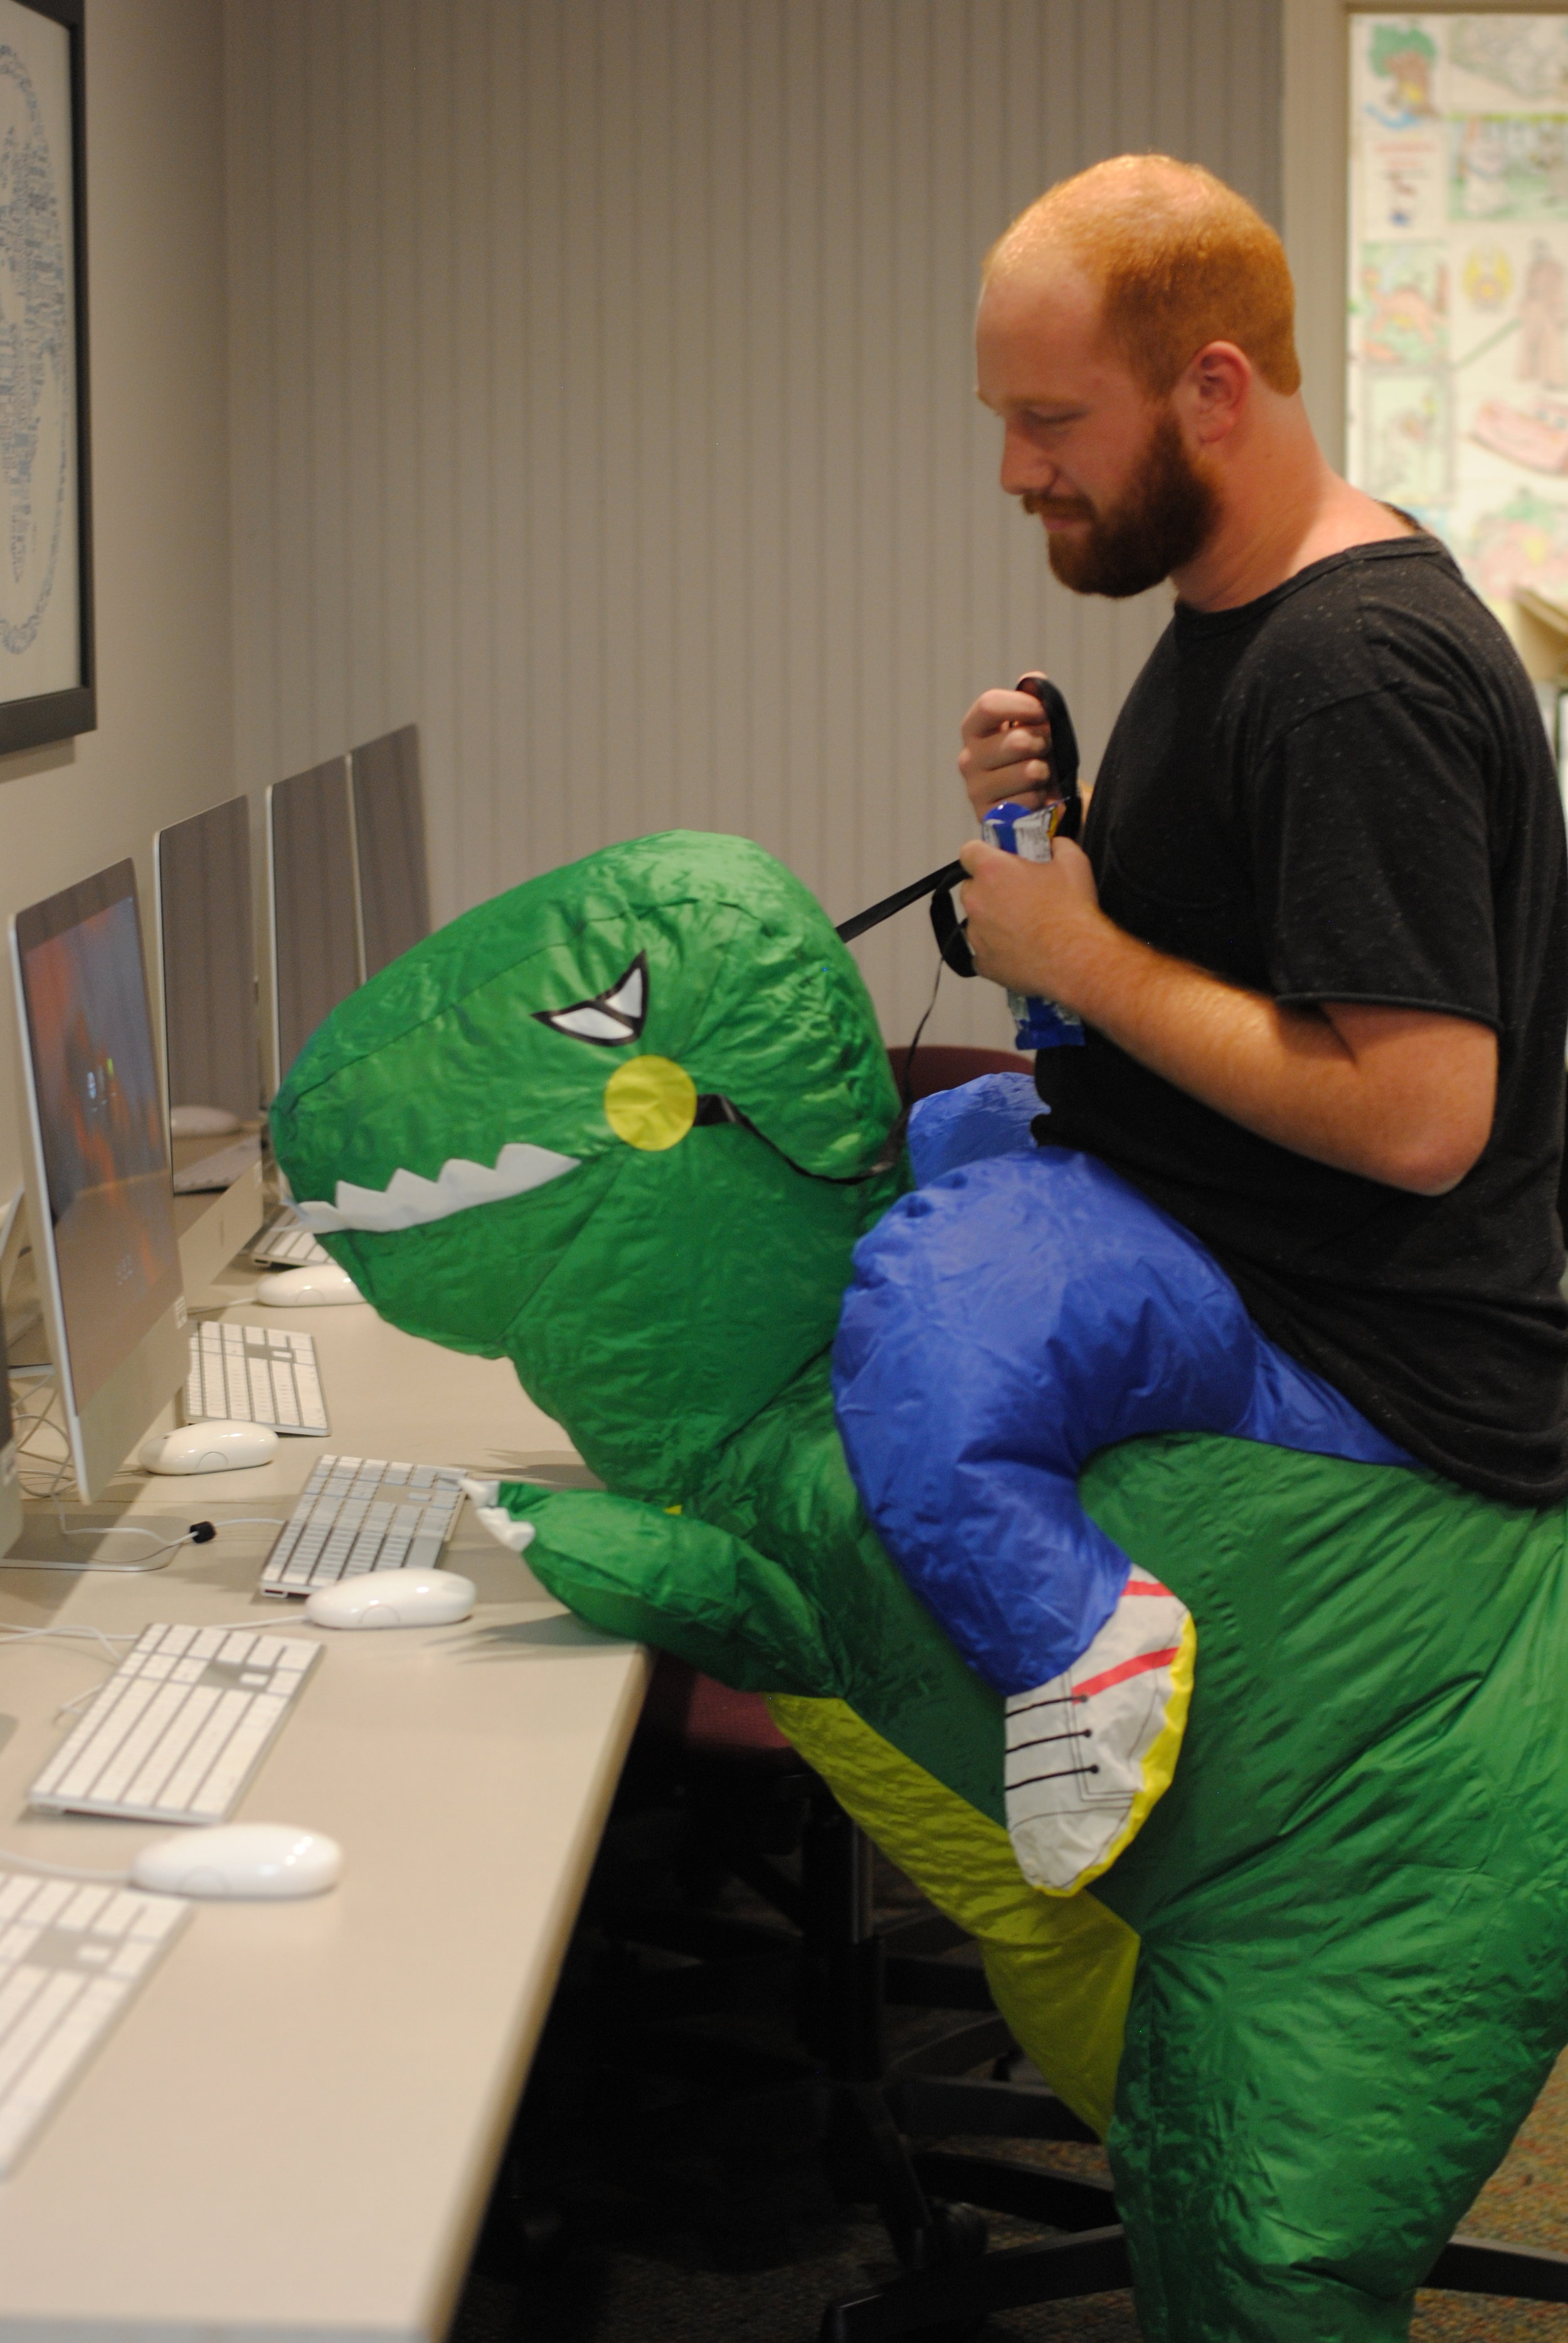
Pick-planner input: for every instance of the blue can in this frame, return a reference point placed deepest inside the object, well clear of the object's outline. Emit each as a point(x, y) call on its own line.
point(1027, 831)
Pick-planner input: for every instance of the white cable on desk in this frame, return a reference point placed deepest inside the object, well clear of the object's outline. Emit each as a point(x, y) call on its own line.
point(117, 1569)
point(130, 1529)
point(252, 1521)
point(97, 1635)
point(65, 1870)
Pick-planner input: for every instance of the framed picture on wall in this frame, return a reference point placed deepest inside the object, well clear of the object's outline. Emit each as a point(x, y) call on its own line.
point(46, 681)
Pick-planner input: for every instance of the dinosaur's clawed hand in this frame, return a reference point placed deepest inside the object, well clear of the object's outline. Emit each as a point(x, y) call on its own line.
point(516, 1535)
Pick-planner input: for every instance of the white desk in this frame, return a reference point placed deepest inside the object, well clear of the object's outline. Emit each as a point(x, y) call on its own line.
point(294, 2130)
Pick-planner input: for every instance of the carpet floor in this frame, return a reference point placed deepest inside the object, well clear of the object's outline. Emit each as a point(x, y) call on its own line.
point(643, 2233)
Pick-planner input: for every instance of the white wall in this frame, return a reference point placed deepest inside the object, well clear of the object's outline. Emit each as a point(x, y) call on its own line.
point(603, 401)
point(160, 468)
point(1315, 158)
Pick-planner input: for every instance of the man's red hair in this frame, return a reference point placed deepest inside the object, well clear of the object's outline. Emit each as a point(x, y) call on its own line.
point(1181, 260)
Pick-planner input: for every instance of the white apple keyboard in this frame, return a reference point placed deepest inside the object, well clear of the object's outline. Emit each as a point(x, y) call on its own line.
point(287, 1244)
point(255, 1374)
point(221, 1170)
point(179, 1728)
point(71, 1958)
point(361, 1513)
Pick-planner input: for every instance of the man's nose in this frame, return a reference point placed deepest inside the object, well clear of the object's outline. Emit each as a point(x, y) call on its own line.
point(1024, 466)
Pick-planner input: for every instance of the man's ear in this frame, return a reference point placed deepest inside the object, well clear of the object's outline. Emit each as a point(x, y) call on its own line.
point(1214, 391)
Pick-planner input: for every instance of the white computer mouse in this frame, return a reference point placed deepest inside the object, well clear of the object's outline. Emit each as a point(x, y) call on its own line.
point(202, 1122)
point(393, 1598)
point(240, 1859)
point(308, 1289)
point(216, 1447)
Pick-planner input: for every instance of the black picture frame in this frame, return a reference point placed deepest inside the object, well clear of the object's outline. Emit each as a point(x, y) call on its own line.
point(31, 719)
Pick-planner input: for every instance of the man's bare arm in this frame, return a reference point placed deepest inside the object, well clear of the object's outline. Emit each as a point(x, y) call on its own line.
point(1404, 1096)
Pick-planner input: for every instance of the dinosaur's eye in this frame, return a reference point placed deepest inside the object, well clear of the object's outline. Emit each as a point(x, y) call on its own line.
point(610, 1018)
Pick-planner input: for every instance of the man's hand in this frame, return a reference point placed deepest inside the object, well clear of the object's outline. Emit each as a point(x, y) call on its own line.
point(1027, 920)
point(1006, 751)
point(1404, 1096)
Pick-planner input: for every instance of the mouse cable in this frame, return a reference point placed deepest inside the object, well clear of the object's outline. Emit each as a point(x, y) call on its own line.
point(105, 1637)
point(108, 1638)
point(199, 1534)
point(65, 1870)
point(101, 1635)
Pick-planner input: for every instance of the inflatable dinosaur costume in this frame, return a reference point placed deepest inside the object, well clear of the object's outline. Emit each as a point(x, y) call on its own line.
point(628, 1125)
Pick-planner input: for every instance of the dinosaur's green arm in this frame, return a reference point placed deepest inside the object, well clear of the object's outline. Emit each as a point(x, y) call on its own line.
point(681, 1584)
point(782, 1483)
point(777, 1585)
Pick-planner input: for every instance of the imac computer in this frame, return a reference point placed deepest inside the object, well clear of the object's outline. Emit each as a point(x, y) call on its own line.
point(212, 1055)
point(10, 1476)
point(389, 846)
point(313, 905)
point(212, 1044)
point(100, 1209)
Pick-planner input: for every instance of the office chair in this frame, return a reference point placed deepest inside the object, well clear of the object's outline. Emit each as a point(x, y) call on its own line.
point(747, 1801)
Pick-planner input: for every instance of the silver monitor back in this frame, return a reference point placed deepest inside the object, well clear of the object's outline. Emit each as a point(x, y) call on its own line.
point(97, 1168)
point(389, 846)
point(313, 907)
point(207, 961)
point(10, 1477)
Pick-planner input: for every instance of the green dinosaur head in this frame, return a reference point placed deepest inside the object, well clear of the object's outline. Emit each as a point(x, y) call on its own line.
point(623, 1124)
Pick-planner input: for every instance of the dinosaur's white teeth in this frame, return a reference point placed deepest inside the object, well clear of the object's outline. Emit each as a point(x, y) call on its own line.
point(408, 1200)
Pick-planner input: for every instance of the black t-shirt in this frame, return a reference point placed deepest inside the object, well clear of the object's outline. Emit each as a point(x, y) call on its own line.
point(1343, 792)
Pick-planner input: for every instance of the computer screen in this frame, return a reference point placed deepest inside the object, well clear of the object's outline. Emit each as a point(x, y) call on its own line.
point(99, 1201)
point(389, 846)
point(315, 921)
point(207, 961)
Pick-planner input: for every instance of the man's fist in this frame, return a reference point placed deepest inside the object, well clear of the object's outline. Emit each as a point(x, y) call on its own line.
point(1028, 921)
point(1007, 750)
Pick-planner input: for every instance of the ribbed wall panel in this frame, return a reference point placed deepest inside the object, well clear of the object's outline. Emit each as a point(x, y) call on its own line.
point(603, 401)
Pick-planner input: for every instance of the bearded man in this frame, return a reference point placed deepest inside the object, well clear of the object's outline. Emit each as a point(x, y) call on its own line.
point(1316, 929)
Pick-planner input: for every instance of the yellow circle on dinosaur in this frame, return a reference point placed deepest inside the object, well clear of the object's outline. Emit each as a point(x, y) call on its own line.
point(650, 1102)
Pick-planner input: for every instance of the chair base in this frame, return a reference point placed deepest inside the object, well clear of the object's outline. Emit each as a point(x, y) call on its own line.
point(1095, 2261)
point(1012, 2278)
point(1484, 2266)
point(870, 2113)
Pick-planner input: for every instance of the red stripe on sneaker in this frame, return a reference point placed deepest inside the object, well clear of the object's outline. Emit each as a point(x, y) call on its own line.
point(1138, 1667)
point(1144, 1586)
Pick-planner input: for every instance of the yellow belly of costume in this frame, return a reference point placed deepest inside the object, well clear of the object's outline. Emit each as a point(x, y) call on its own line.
point(1059, 1967)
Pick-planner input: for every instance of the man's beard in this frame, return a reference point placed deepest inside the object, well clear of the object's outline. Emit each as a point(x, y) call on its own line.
point(1164, 519)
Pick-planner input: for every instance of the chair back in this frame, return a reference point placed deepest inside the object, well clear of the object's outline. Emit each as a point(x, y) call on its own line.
point(947, 1065)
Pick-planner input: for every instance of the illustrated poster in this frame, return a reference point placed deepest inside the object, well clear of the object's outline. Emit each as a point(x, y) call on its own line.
point(1458, 388)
